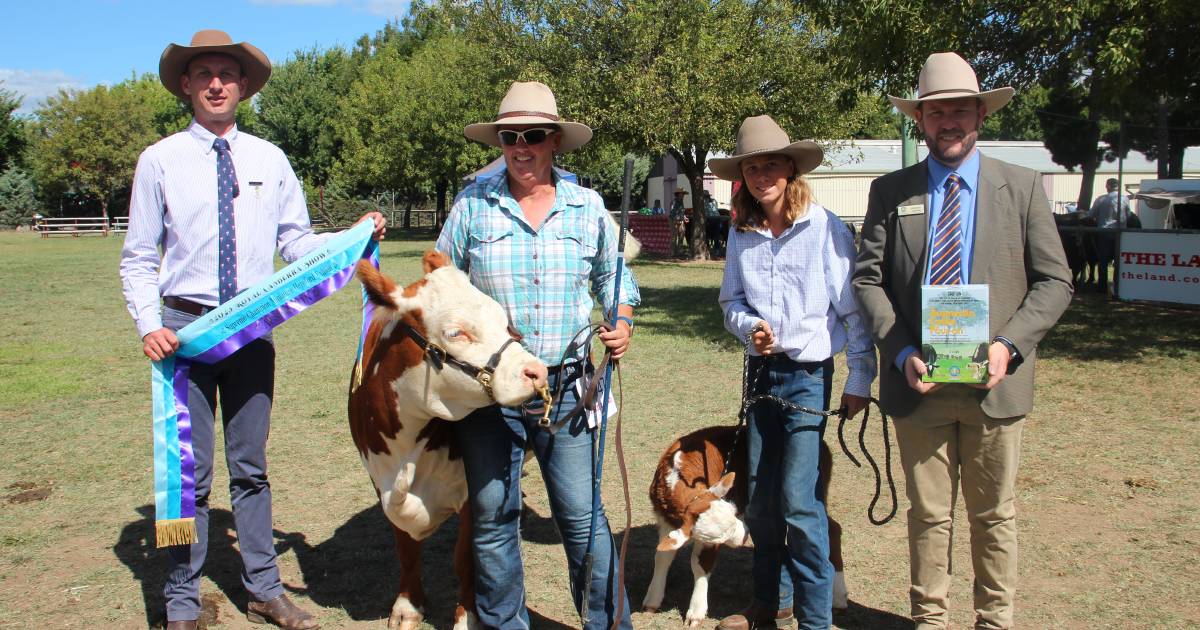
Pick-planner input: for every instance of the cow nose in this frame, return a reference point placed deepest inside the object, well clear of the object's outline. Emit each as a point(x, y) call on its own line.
point(535, 371)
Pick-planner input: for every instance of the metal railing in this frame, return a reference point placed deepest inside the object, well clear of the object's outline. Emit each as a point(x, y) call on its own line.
point(78, 226)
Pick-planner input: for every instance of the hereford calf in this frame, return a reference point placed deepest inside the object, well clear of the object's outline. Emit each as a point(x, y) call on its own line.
point(402, 399)
point(693, 501)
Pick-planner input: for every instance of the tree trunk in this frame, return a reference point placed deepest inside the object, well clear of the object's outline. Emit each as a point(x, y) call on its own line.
point(692, 163)
point(1163, 140)
point(1092, 158)
point(1175, 159)
point(442, 187)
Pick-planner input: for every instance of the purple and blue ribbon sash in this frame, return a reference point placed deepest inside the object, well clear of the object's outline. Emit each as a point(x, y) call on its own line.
point(220, 333)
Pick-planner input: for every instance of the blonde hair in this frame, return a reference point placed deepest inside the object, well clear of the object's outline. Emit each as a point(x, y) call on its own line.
point(750, 214)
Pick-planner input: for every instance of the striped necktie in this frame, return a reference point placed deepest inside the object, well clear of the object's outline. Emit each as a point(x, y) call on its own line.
point(945, 263)
point(227, 190)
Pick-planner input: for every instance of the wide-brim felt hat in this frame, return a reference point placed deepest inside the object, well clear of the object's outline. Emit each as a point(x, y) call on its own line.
point(761, 135)
point(530, 103)
point(256, 67)
point(946, 76)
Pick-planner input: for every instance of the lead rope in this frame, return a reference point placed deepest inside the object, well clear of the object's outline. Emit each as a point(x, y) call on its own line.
point(748, 400)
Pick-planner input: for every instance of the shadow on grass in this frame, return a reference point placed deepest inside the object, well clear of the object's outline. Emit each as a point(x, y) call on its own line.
point(135, 548)
point(1094, 328)
point(685, 310)
point(728, 591)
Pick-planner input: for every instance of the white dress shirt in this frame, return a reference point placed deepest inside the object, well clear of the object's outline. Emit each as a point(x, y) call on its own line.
point(799, 282)
point(173, 209)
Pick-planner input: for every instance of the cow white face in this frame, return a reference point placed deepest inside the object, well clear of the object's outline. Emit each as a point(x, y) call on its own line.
point(470, 326)
point(709, 519)
point(720, 525)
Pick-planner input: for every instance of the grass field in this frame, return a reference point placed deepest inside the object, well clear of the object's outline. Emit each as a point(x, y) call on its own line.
point(1109, 497)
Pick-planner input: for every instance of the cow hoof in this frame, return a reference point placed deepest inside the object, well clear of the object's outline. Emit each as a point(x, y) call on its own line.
point(649, 609)
point(694, 619)
point(841, 596)
point(467, 621)
point(404, 615)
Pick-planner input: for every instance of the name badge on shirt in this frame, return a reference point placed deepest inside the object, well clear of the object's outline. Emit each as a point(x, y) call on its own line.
point(257, 186)
point(916, 208)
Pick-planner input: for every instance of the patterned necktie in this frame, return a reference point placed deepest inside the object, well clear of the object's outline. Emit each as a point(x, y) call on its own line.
point(945, 266)
point(227, 190)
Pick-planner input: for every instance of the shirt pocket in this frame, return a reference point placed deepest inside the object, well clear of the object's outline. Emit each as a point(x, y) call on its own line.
point(257, 219)
point(490, 249)
point(576, 248)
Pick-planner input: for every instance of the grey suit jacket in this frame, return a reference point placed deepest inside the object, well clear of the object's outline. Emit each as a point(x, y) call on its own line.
point(1017, 253)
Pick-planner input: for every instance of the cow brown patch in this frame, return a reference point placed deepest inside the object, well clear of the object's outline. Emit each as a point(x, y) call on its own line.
point(379, 287)
point(703, 459)
point(440, 434)
point(373, 414)
point(434, 259)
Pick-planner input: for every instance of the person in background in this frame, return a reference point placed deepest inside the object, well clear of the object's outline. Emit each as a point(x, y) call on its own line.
point(1108, 211)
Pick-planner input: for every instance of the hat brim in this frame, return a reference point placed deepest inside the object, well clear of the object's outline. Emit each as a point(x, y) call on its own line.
point(574, 135)
point(173, 64)
point(992, 99)
point(805, 154)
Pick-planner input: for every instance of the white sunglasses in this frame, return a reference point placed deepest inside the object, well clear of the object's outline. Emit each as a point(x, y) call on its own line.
point(537, 135)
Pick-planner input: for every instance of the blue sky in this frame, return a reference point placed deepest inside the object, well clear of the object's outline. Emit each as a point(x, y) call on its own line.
point(48, 44)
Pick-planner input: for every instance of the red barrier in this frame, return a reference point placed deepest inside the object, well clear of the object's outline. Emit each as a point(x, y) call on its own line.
point(654, 232)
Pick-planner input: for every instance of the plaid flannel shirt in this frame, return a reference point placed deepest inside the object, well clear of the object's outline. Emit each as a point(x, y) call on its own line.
point(545, 278)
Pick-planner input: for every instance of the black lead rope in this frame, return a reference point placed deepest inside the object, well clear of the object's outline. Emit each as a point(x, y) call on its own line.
point(749, 400)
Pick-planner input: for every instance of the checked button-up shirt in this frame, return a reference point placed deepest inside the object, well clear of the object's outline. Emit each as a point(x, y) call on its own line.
point(546, 279)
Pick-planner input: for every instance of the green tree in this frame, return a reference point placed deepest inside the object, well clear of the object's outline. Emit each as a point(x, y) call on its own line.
point(402, 121)
point(674, 76)
point(17, 200)
point(88, 141)
point(296, 108)
point(12, 129)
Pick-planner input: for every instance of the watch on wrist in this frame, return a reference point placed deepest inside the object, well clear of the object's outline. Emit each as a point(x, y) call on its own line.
point(1013, 354)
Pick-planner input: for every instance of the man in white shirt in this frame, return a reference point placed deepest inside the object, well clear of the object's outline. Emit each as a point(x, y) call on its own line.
point(1108, 211)
point(217, 202)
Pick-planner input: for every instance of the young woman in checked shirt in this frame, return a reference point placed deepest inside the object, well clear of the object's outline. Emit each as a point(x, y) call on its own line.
point(787, 288)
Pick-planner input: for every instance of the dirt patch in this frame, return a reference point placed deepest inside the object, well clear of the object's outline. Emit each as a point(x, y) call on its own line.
point(210, 609)
point(29, 491)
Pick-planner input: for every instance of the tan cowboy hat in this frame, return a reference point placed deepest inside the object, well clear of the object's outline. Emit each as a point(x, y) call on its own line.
point(945, 76)
point(173, 63)
point(530, 103)
point(760, 135)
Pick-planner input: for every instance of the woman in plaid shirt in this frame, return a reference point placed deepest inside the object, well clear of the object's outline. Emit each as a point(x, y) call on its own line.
point(541, 247)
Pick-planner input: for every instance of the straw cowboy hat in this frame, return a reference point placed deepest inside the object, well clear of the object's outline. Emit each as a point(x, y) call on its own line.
point(945, 76)
point(530, 103)
point(761, 135)
point(173, 63)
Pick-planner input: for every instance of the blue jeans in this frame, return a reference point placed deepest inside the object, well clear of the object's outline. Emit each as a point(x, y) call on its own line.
point(785, 512)
point(493, 442)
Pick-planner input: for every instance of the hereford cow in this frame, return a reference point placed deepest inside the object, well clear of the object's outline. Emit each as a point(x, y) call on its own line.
point(402, 397)
point(694, 501)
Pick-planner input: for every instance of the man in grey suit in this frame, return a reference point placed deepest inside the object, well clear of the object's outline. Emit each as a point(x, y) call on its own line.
point(960, 217)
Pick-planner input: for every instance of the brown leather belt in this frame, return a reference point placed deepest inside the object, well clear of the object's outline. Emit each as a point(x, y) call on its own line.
point(186, 306)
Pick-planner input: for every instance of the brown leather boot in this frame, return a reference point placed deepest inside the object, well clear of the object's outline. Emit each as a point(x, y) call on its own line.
point(755, 617)
point(281, 612)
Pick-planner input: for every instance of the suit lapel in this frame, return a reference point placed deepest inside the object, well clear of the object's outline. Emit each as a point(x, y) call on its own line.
point(987, 220)
point(914, 228)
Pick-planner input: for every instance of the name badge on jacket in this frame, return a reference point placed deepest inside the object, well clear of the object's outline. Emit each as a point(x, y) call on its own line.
point(916, 208)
